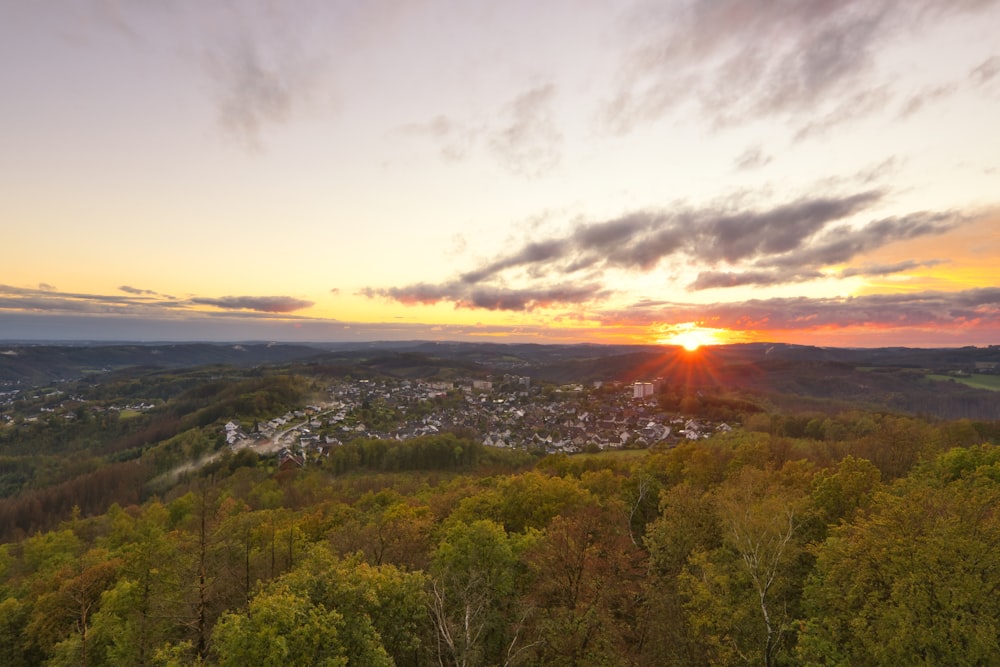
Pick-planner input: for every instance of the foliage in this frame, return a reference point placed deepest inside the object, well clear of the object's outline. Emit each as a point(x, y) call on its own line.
point(914, 580)
point(839, 537)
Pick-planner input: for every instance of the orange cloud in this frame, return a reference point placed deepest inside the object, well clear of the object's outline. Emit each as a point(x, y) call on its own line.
point(968, 253)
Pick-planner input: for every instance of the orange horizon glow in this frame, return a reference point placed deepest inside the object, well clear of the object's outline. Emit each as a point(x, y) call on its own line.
point(691, 336)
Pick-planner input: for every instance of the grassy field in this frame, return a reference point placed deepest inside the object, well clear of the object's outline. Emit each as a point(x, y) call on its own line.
point(991, 382)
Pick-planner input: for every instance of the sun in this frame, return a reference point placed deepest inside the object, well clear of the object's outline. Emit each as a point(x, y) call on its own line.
point(692, 340)
point(690, 336)
point(690, 344)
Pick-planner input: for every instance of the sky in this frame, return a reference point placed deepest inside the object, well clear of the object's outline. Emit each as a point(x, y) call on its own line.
point(822, 172)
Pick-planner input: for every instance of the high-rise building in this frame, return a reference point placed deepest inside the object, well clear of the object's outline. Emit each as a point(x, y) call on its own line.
point(642, 389)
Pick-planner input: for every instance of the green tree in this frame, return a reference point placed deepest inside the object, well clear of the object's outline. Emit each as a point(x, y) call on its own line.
point(476, 574)
point(688, 524)
point(525, 501)
point(15, 649)
point(382, 601)
point(915, 580)
point(744, 595)
point(388, 528)
point(280, 628)
point(839, 494)
point(140, 612)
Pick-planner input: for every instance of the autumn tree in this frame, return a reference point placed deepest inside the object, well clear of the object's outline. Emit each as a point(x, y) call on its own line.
point(141, 611)
point(63, 618)
point(476, 574)
point(743, 596)
point(915, 580)
point(585, 590)
point(687, 524)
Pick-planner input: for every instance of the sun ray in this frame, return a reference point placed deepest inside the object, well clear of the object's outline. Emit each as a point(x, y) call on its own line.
point(690, 335)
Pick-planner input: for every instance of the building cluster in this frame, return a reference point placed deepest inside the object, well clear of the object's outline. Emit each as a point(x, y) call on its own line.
point(508, 411)
point(45, 404)
point(504, 412)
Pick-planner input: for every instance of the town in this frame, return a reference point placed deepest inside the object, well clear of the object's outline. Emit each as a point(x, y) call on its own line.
point(509, 413)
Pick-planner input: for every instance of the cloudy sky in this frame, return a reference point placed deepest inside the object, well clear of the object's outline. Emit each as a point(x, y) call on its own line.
point(809, 171)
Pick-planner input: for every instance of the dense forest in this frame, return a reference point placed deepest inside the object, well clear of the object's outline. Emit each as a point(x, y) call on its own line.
point(800, 537)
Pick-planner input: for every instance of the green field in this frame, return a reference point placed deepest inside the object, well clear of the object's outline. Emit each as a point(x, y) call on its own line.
point(990, 382)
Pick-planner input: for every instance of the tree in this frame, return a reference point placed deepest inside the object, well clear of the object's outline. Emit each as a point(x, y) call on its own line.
point(585, 590)
point(476, 573)
point(744, 594)
point(687, 525)
point(63, 617)
point(15, 650)
point(915, 580)
point(141, 611)
point(525, 501)
point(388, 529)
point(840, 493)
point(281, 628)
point(383, 601)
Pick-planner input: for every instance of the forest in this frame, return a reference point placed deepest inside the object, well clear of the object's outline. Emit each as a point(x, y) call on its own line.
point(799, 538)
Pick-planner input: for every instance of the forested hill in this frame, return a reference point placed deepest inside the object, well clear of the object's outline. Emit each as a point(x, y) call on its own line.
point(134, 532)
point(946, 383)
point(460, 504)
point(42, 364)
point(38, 363)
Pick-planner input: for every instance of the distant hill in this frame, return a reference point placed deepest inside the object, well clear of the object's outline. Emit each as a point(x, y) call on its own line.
point(43, 364)
point(894, 379)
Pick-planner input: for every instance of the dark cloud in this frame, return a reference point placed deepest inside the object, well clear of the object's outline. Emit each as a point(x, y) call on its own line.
point(716, 279)
point(738, 61)
point(263, 304)
point(887, 269)
point(640, 240)
point(789, 243)
point(46, 300)
point(465, 295)
point(744, 235)
point(138, 292)
point(497, 298)
point(531, 253)
point(836, 245)
point(45, 287)
point(976, 307)
point(840, 244)
point(42, 304)
point(796, 273)
point(421, 293)
point(138, 302)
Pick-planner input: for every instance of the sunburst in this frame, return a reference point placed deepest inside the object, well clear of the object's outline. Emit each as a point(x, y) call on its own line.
point(691, 336)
